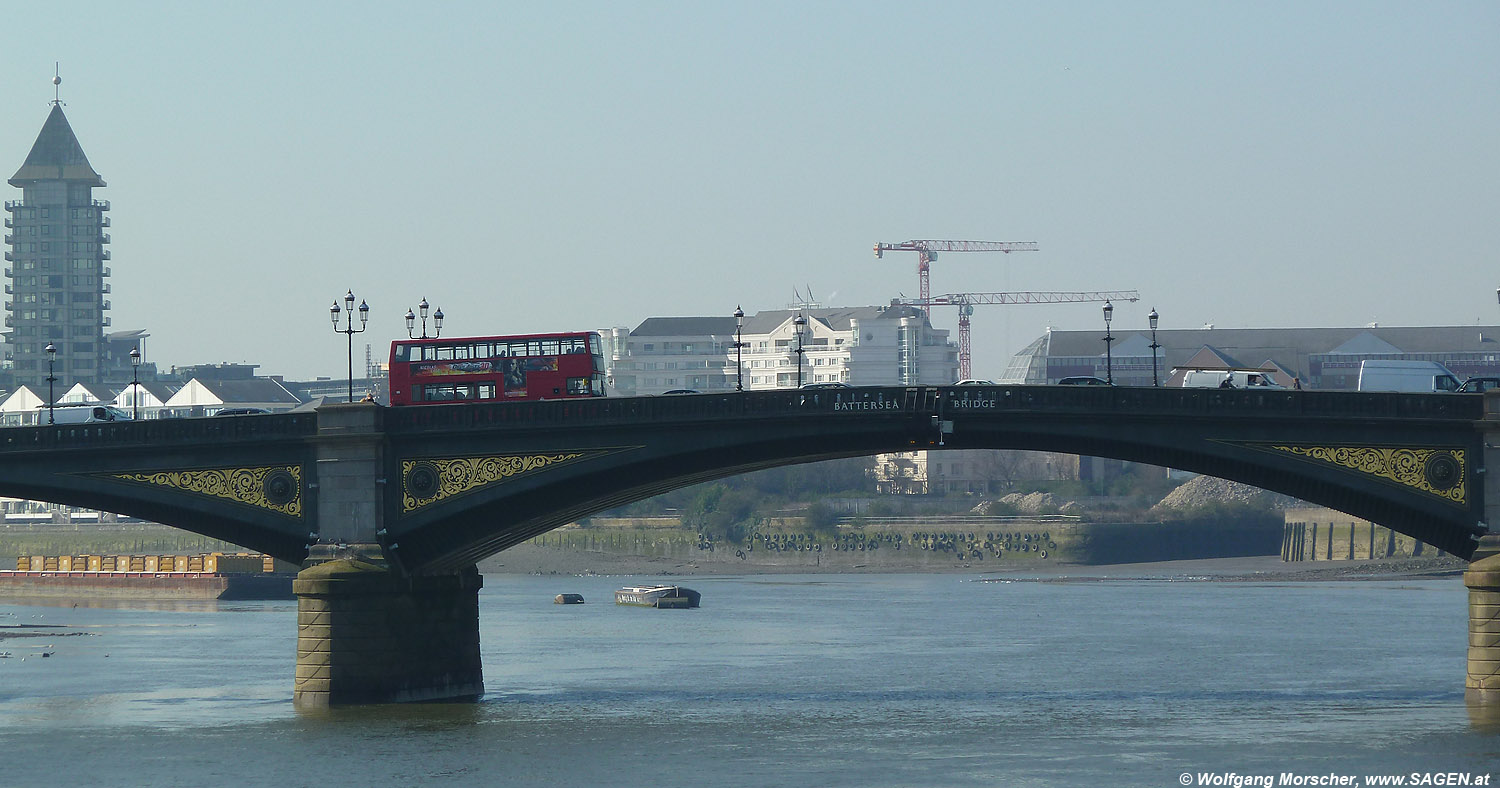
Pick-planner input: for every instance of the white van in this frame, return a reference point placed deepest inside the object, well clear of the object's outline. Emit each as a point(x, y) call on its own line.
point(1417, 376)
point(81, 413)
point(1239, 378)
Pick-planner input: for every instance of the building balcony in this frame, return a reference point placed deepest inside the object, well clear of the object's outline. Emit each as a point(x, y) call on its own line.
point(106, 305)
point(104, 238)
point(104, 256)
point(103, 288)
point(105, 270)
point(10, 239)
point(8, 291)
point(102, 205)
point(104, 222)
point(8, 324)
point(11, 205)
point(108, 322)
point(8, 222)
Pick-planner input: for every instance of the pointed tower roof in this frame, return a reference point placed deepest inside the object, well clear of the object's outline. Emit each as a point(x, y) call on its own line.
point(56, 155)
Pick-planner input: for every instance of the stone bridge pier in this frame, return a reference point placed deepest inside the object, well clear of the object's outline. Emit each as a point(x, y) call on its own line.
point(1482, 680)
point(367, 632)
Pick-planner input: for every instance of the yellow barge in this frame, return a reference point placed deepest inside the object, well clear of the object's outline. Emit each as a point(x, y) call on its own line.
point(206, 576)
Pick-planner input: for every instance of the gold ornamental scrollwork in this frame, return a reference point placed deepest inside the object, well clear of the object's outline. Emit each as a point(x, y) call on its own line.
point(277, 487)
point(1442, 472)
point(428, 481)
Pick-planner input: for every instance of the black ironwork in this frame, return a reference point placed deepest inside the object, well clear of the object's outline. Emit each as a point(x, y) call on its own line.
point(349, 330)
point(799, 324)
point(1109, 366)
point(739, 363)
point(1153, 317)
point(411, 322)
point(51, 379)
point(135, 383)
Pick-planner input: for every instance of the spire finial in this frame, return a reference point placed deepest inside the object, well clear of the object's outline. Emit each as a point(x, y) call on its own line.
point(56, 82)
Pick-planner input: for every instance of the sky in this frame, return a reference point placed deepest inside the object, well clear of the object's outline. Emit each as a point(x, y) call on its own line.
point(534, 167)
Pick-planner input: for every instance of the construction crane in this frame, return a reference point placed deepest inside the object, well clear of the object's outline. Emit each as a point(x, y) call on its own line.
point(927, 252)
point(967, 301)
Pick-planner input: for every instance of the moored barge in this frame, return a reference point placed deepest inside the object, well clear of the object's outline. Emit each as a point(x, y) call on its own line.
point(667, 597)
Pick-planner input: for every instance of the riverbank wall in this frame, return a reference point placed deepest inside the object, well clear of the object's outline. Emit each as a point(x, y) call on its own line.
point(897, 544)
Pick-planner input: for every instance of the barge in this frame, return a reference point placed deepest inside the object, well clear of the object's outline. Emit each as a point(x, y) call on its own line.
point(210, 576)
point(665, 597)
point(146, 585)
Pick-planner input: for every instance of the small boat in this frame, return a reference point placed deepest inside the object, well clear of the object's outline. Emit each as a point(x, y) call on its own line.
point(668, 597)
point(568, 599)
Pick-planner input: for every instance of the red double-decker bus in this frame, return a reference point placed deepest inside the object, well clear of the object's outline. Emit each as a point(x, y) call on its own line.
point(491, 369)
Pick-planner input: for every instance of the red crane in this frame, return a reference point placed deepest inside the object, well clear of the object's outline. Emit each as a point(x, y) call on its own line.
point(966, 301)
point(927, 252)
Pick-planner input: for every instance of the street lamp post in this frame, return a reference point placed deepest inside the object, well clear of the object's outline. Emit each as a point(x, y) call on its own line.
point(739, 362)
point(51, 378)
point(135, 383)
point(411, 321)
point(1109, 366)
point(799, 324)
point(1153, 317)
point(349, 330)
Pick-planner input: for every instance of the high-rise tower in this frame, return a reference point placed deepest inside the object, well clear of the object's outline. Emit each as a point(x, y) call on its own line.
point(55, 262)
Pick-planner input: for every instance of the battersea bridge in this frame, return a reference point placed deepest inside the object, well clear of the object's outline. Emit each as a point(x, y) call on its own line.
point(391, 508)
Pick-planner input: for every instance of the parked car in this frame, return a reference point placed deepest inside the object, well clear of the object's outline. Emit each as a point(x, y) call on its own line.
point(1479, 385)
point(832, 385)
point(1083, 380)
point(975, 382)
point(240, 411)
point(683, 391)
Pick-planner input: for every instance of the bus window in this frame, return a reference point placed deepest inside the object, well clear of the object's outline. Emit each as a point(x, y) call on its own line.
point(534, 348)
point(486, 390)
point(578, 385)
point(445, 353)
point(429, 353)
point(403, 353)
point(461, 352)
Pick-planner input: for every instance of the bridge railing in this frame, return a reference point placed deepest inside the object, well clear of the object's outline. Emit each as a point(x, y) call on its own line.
point(947, 401)
point(163, 431)
point(1278, 403)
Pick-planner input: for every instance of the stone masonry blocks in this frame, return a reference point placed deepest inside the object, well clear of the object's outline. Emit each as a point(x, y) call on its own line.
point(367, 635)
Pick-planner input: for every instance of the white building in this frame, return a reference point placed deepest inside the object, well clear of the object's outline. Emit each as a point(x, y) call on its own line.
point(861, 346)
point(976, 471)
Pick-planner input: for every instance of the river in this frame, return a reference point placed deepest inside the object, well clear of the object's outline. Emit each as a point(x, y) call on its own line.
point(815, 680)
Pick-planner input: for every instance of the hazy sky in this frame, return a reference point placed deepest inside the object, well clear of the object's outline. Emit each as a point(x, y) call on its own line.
point(565, 165)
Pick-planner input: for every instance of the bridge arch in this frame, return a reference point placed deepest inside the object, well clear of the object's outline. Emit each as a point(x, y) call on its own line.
point(1408, 462)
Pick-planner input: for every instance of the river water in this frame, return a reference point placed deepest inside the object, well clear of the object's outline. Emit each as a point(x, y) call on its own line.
point(815, 680)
